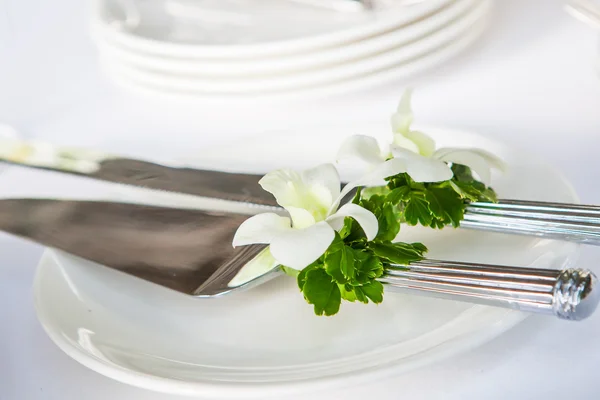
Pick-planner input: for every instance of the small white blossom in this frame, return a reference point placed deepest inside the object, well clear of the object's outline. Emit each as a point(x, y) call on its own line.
point(415, 152)
point(312, 198)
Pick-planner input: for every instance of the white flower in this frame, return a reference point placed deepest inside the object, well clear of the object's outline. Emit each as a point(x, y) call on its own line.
point(414, 152)
point(42, 154)
point(312, 198)
point(394, 161)
point(401, 120)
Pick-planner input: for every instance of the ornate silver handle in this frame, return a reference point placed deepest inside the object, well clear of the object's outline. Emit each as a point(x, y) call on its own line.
point(572, 222)
point(568, 294)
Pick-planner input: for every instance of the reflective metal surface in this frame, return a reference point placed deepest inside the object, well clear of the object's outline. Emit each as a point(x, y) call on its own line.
point(190, 251)
point(570, 294)
point(572, 222)
point(113, 168)
point(184, 250)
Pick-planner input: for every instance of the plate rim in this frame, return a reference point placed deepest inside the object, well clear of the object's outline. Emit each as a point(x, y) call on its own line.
point(273, 48)
point(453, 32)
point(317, 59)
point(373, 79)
point(228, 390)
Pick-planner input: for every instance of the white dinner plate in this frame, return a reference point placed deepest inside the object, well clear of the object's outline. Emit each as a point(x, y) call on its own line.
point(372, 79)
point(235, 29)
point(398, 63)
point(267, 342)
point(295, 62)
point(281, 82)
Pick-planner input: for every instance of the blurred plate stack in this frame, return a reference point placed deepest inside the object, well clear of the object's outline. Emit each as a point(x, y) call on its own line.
point(255, 48)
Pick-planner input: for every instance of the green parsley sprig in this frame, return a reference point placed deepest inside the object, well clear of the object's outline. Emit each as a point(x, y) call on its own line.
point(350, 267)
point(438, 204)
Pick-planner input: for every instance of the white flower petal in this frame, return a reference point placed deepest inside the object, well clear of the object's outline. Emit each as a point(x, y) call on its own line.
point(423, 169)
point(477, 164)
point(297, 248)
point(365, 218)
point(261, 228)
point(376, 177)
point(313, 190)
point(323, 182)
point(284, 185)
point(402, 141)
point(301, 218)
point(494, 161)
point(480, 161)
point(423, 141)
point(403, 117)
point(258, 266)
point(363, 147)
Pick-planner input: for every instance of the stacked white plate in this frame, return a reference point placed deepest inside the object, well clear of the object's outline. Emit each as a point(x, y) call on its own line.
point(275, 47)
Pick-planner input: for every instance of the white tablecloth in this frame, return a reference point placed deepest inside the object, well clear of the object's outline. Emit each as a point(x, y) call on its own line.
point(529, 82)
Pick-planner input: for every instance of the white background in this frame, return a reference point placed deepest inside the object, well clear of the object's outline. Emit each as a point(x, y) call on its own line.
point(530, 82)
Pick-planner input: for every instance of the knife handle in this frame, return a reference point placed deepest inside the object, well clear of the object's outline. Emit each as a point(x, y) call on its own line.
point(570, 222)
point(570, 294)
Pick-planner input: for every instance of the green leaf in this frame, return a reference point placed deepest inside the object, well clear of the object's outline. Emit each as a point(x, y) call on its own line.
point(399, 194)
point(373, 203)
point(351, 265)
point(389, 223)
point(436, 207)
point(386, 214)
point(368, 267)
point(336, 274)
point(347, 228)
point(352, 232)
point(301, 278)
point(339, 260)
point(417, 210)
point(438, 224)
point(471, 191)
point(320, 291)
point(374, 291)
point(372, 191)
point(371, 291)
point(489, 195)
point(357, 195)
point(347, 293)
point(420, 247)
point(462, 173)
point(399, 180)
point(464, 192)
point(360, 295)
point(342, 260)
point(397, 253)
point(468, 187)
point(337, 244)
point(356, 235)
point(448, 206)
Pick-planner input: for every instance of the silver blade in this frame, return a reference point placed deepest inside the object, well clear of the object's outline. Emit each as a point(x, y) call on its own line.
point(113, 168)
point(186, 250)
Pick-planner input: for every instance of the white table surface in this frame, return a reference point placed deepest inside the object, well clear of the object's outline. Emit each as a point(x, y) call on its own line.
point(529, 82)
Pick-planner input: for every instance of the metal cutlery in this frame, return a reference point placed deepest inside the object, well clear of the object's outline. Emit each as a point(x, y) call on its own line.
point(569, 222)
point(578, 223)
point(190, 251)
